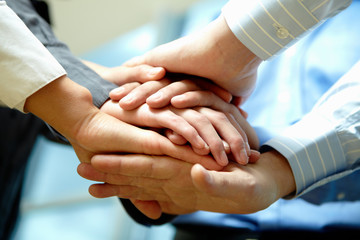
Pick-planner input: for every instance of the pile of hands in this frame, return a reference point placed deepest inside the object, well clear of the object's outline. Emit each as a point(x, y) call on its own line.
point(192, 148)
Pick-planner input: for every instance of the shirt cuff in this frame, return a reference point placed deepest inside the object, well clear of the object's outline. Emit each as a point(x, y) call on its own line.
point(315, 156)
point(25, 64)
point(268, 27)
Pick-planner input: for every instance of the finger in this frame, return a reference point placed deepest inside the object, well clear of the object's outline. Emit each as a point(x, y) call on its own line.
point(120, 92)
point(150, 209)
point(117, 180)
point(174, 137)
point(213, 183)
point(245, 129)
point(165, 118)
point(139, 95)
point(140, 73)
point(202, 179)
point(159, 118)
point(226, 147)
point(199, 99)
point(239, 145)
point(135, 61)
point(208, 99)
point(254, 156)
point(142, 166)
point(217, 90)
point(162, 97)
point(228, 130)
point(243, 113)
point(134, 165)
point(105, 190)
point(135, 140)
point(179, 140)
point(207, 132)
point(88, 172)
point(237, 101)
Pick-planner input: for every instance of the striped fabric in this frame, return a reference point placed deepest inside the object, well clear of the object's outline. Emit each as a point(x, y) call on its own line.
point(325, 144)
point(267, 27)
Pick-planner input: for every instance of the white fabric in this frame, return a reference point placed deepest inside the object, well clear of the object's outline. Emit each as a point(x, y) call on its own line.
point(25, 64)
point(325, 144)
point(266, 27)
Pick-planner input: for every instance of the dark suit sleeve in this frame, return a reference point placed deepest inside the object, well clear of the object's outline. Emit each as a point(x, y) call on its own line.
point(76, 70)
point(140, 218)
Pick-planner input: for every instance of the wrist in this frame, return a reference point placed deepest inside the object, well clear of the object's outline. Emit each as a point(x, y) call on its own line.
point(280, 171)
point(102, 71)
point(240, 63)
point(63, 104)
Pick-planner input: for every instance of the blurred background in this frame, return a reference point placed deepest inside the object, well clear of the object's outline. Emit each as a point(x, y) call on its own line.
point(56, 203)
point(86, 24)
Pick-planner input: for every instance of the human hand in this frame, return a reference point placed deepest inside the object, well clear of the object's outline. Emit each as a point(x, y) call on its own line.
point(213, 53)
point(91, 131)
point(208, 99)
point(227, 120)
point(193, 125)
point(159, 93)
point(177, 187)
point(191, 95)
point(121, 75)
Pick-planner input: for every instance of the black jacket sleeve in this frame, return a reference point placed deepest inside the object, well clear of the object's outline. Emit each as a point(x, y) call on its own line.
point(140, 218)
point(28, 11)
point(76, 70)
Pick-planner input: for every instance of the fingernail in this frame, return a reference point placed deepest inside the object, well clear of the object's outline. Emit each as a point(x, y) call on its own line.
point(207, 147)
point(246, 156)
point(154, 71)
point(178, 98)
point(223, 159)
point(248, 150)
point(226, 147)
point(156, 96)
point(243, 157)
point(127, 98)
point(117, 90)
point(201, 144)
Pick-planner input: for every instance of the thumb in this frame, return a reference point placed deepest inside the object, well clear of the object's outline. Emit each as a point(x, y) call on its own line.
point(205, 181)
point(135, 61)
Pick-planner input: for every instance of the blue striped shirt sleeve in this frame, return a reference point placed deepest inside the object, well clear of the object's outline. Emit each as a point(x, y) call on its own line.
point(325, 144)
point(267, 27)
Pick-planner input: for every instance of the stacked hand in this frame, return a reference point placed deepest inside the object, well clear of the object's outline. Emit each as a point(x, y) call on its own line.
point(192, 111)
point(213, 53)
point(221, 125)
point(161, 183)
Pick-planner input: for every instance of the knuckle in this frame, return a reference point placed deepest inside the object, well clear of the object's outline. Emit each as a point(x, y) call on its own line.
point(237, 143)
point(165, 81)
point(200, 118)
point(220, 116)
point(188, 83)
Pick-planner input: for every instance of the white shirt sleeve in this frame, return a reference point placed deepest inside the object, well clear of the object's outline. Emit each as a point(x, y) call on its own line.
point(325, 144)
point(267, 27)
point(25, 64)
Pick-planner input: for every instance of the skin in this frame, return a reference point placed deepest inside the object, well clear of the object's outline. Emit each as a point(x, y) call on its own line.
point(213, 53)
point(180, 174)
point(222, 125)
point(91, 131)
point(198, 126)
point(164, 184)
